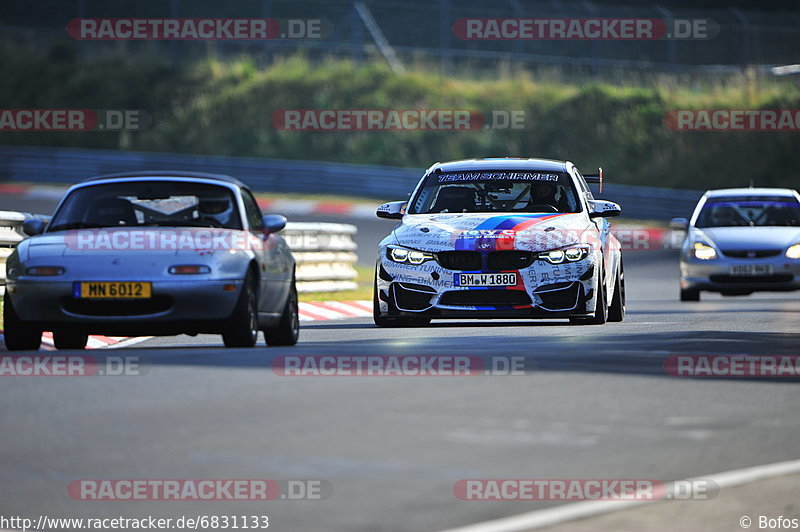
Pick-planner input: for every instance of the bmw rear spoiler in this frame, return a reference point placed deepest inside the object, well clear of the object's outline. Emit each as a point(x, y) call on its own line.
point(595, 178)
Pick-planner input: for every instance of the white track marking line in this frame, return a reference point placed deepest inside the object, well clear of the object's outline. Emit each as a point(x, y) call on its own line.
point(570, 512)
point(128, 342)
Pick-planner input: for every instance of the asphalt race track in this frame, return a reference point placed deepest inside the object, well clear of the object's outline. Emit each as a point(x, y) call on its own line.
point(593, 402)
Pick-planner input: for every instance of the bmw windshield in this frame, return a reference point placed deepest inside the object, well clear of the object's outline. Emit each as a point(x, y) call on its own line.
point(501, 191)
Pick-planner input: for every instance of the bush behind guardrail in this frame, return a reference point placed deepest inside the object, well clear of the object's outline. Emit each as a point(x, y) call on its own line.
point(225, 108)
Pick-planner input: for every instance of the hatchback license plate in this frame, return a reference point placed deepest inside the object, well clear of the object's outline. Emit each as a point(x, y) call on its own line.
point(744, 270)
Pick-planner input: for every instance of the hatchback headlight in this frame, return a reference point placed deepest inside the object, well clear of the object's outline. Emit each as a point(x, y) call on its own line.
point(408, 256)
point(701, 251)
point(793, 252)
point(571, 254)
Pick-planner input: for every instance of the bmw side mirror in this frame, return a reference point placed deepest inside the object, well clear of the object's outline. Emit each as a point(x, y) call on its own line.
point(33, 227)
point(394, 210)
point(273, 223)
point(679, 224)
point(603, 209)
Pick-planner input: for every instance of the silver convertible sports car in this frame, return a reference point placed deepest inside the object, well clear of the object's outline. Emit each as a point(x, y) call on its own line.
point(500, 238)
point(154, 253)
point(740, 241)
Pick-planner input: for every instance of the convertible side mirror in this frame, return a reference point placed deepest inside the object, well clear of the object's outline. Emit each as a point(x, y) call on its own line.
point(273, 223)
point(394, 210)
point(33, 226)
point(603, 209)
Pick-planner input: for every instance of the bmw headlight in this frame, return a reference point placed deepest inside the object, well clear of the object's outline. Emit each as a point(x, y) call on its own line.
point(702, 251)
point(570, 254)
point(408, 256)
point(793, 252)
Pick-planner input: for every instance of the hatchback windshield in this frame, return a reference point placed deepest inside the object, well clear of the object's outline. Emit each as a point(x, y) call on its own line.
point(749, 211)
point(501, 191)
point(148, 203)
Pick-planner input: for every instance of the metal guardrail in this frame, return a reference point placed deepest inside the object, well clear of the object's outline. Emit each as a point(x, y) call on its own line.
point(10, 235)
point(324, 252)
point(325, 255)
point(69, 165)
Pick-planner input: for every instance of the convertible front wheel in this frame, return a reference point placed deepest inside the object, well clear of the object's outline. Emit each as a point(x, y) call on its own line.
point(287, 332)
point(18, 334)
point(241, 328)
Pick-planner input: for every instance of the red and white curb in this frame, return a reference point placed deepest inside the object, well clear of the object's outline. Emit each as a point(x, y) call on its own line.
point(309, 311)
point(334, 310)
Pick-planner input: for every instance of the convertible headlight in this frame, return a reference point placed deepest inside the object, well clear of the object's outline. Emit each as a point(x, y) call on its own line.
point(410, 256)
point(793, 252)
point(558, 256)
point(189, 269)
point(702, 251)
point(44, 271)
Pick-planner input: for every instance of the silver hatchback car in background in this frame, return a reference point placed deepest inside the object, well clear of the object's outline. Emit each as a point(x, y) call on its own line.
point(152, 253)
point(740, 241)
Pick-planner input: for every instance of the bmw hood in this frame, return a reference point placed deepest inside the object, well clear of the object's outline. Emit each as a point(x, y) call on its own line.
point(744, 238)
point(490, 232)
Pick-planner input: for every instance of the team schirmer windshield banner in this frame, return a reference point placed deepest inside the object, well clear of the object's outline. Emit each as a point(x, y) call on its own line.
point(491, 176)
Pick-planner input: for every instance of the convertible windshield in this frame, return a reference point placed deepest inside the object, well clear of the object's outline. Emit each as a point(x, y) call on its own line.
point(148, 203)
point(778, 211)
point(502, 191)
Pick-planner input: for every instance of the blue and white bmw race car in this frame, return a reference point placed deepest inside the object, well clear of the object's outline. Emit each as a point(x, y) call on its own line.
point(500, 238)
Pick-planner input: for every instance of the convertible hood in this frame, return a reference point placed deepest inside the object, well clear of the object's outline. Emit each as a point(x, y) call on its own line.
point(744, 238)
point(489, 232)
point(149, 242)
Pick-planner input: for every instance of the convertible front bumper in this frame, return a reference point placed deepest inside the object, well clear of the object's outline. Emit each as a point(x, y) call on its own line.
point(174, 305)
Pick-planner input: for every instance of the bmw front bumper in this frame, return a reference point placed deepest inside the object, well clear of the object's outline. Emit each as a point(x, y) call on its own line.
point(430, 290)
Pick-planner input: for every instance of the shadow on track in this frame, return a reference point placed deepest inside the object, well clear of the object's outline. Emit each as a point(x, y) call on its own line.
point(604, 352)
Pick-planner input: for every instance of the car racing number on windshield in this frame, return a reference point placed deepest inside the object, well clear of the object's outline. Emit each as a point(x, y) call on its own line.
point(112, 290)
point(485, 279)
